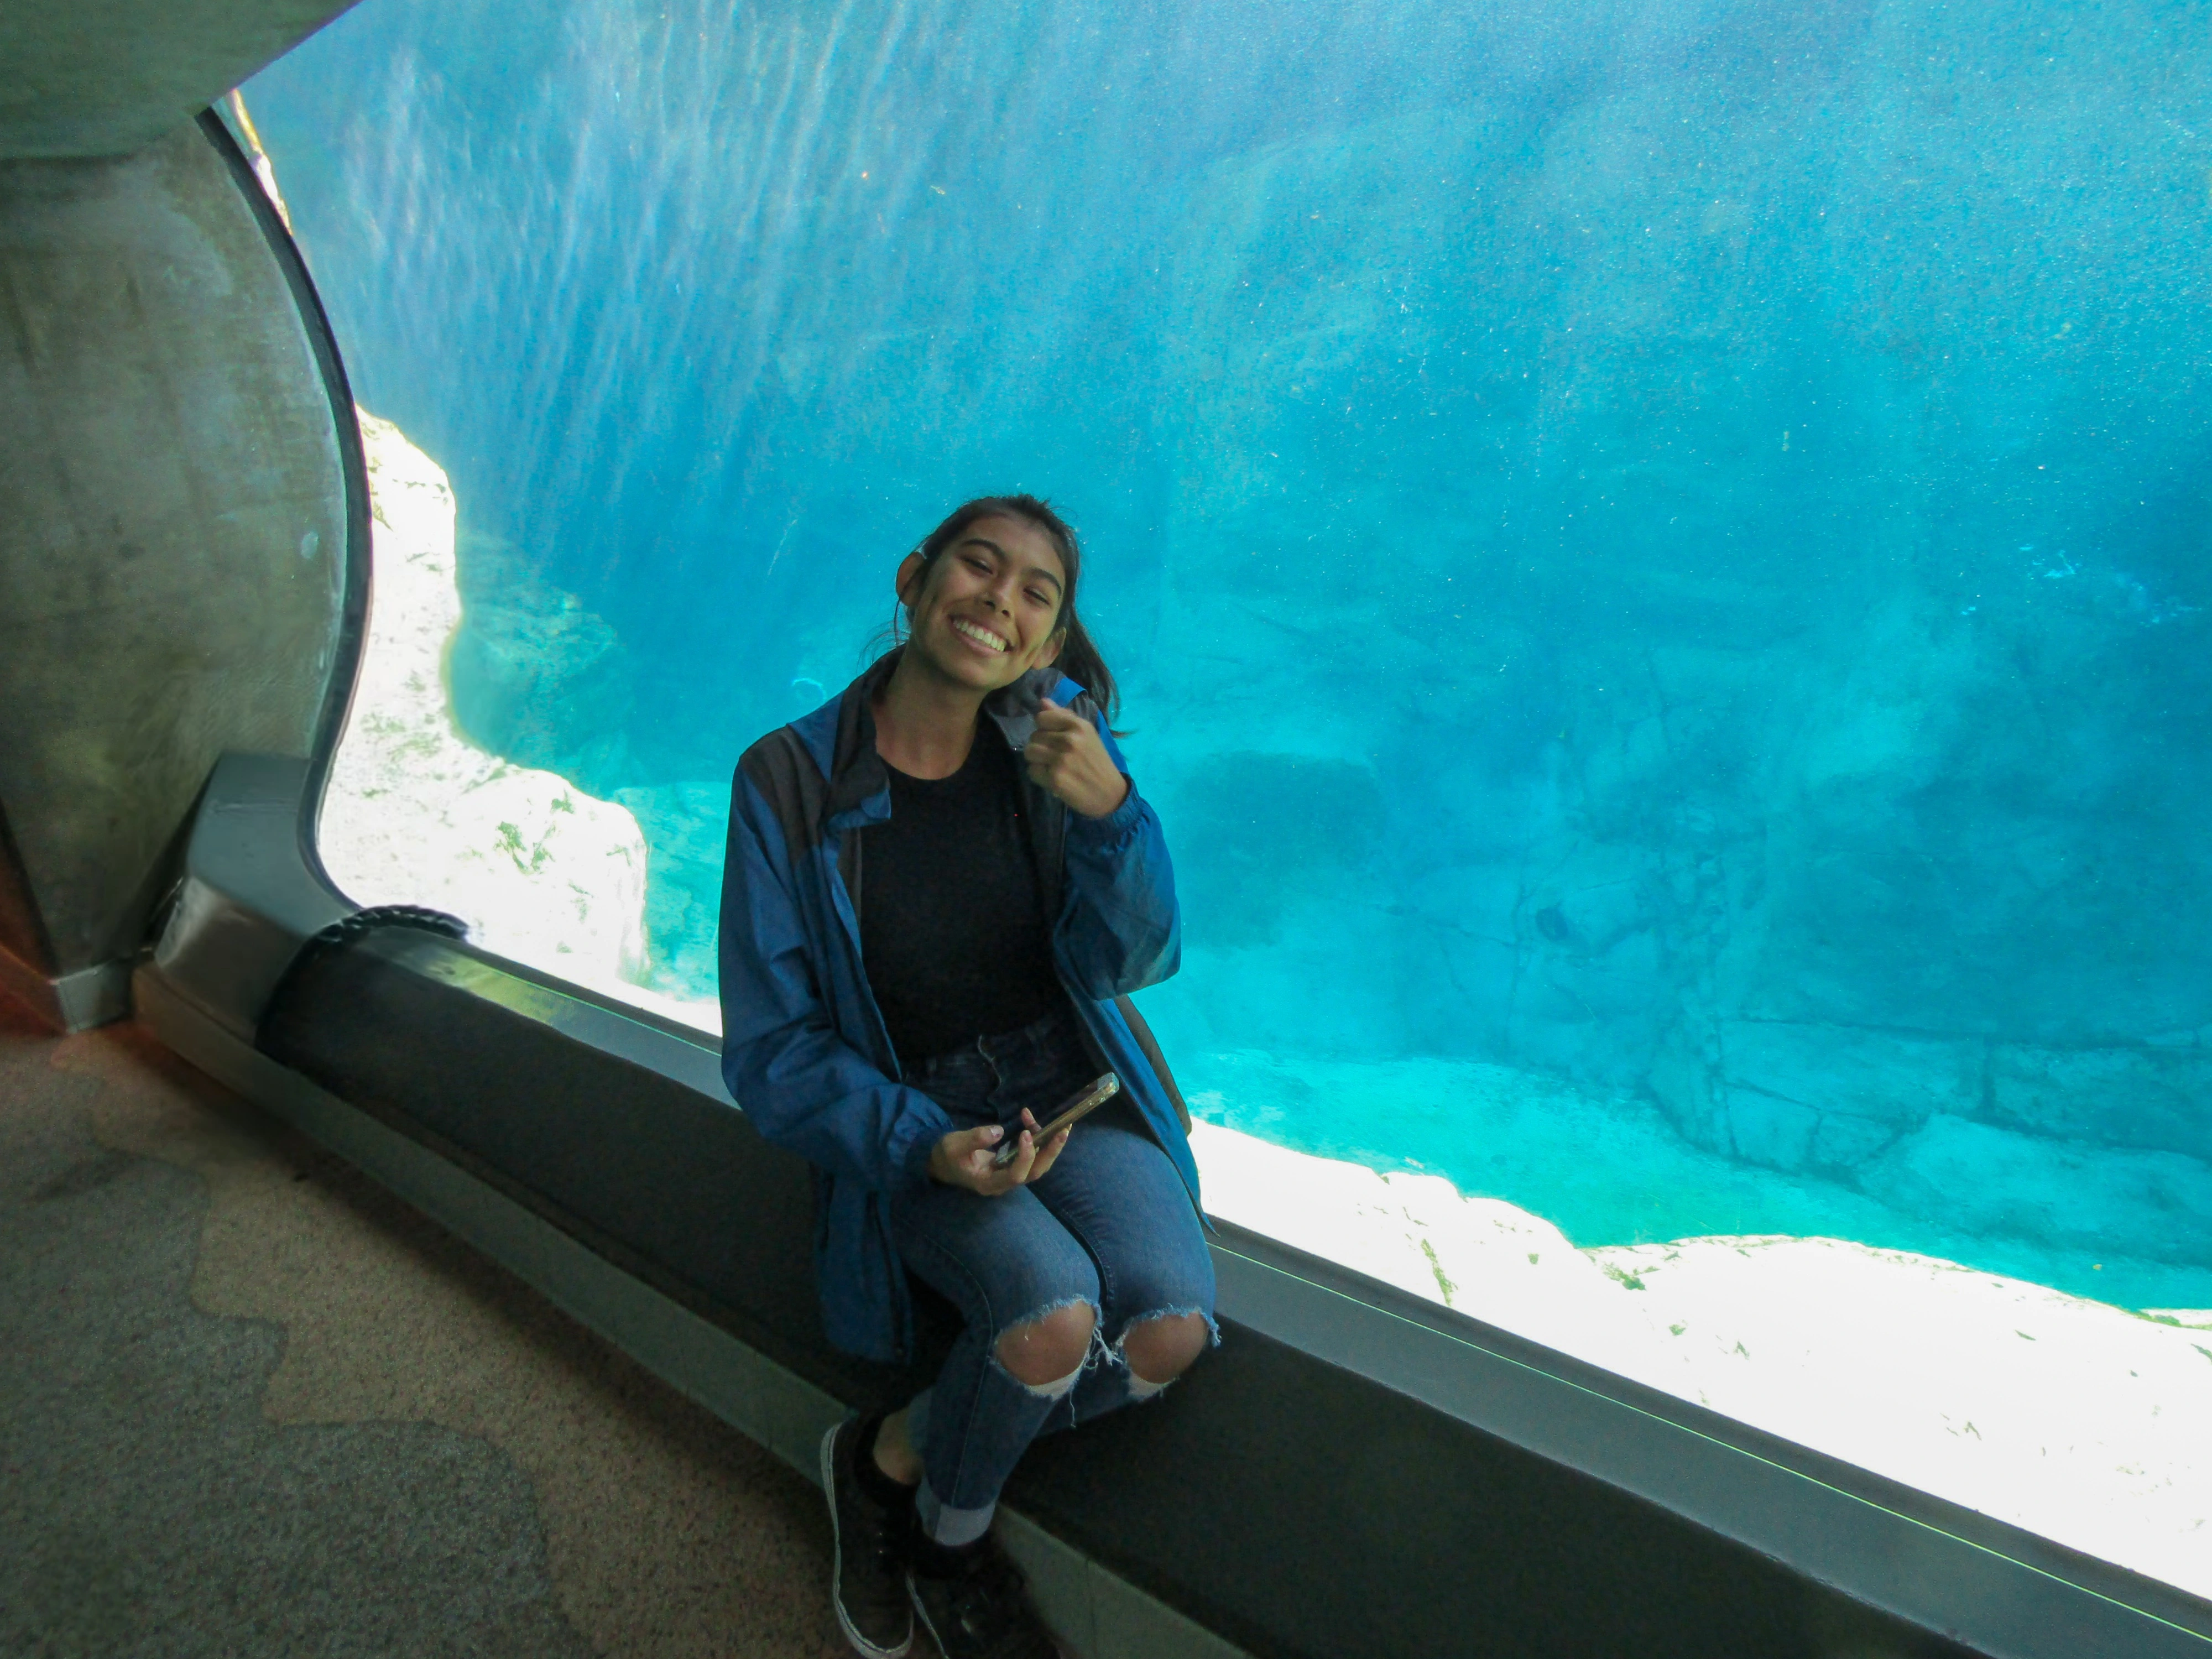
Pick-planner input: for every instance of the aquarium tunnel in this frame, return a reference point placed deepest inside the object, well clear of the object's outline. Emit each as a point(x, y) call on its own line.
point(1658, 559)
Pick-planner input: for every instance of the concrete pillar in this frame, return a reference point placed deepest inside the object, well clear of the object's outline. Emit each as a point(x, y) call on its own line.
point(174, 539)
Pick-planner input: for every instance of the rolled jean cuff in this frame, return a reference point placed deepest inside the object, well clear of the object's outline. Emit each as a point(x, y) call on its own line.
point(949, 1527)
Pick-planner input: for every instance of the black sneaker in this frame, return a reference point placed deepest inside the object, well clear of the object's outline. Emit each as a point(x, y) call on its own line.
point(976, 1604)
point(867, 1578)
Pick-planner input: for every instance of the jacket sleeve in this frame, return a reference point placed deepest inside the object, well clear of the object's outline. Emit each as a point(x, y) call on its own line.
point(1119, 930)
point(800, 1083)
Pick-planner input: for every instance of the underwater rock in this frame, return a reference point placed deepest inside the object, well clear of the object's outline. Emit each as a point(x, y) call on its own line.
point(2142, 1095)
point(417, 814)
point(530, 667)
point(686, 826)
point(2153, 1204)
point(1798, 1095)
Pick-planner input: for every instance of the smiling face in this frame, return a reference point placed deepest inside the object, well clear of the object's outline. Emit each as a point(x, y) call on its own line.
point(986, 609)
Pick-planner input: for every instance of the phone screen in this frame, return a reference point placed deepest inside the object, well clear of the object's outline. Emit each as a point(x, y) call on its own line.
point(1096, 1094)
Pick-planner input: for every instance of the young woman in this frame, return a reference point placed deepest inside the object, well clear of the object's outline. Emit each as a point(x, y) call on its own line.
point(937, 887)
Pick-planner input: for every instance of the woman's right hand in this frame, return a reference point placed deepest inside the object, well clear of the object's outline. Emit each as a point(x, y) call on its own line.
point(964, 1158)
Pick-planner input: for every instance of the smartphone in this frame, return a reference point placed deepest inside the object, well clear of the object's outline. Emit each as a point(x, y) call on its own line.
point(1088, 1100)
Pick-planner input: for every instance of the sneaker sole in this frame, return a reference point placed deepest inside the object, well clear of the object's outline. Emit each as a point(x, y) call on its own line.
point(860, 1644)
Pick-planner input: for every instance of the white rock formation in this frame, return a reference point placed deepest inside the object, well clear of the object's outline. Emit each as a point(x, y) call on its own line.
point(2082, 1422)
point(415, 814)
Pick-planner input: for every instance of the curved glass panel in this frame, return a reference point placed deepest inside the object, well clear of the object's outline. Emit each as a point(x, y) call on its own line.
point(1657, 555)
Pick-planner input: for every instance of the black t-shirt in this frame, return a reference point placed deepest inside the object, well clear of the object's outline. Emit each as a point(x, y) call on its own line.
point(953, 933)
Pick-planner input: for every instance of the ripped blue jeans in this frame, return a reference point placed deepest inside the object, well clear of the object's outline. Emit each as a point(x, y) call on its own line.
point(1110, 1225)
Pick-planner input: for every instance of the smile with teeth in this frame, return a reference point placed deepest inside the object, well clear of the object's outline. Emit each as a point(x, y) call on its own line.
point(982, 637)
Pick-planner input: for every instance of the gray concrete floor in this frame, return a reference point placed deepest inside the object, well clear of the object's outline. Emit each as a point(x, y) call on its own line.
point(251, 1404)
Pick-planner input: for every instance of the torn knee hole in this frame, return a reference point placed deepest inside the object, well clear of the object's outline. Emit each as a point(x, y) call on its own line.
point(1159, 1349)
point(1048, 1353)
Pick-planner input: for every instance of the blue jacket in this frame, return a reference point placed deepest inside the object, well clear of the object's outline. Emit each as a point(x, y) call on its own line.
point(803, 1049)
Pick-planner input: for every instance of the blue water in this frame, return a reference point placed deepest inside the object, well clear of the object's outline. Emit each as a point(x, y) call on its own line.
point(1657, 548)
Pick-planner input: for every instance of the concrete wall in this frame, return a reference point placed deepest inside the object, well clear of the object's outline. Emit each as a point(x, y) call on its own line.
point(173, 535)
point(107, 77)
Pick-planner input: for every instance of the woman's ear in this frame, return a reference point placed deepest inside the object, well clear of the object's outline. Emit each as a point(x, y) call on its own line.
point(1051, 652)
point(907, 583)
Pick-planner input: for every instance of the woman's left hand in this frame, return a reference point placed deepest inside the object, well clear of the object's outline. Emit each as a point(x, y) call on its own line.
point(1065, 755)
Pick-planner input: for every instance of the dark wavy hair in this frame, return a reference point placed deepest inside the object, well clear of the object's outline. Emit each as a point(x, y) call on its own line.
point(1079, 654)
